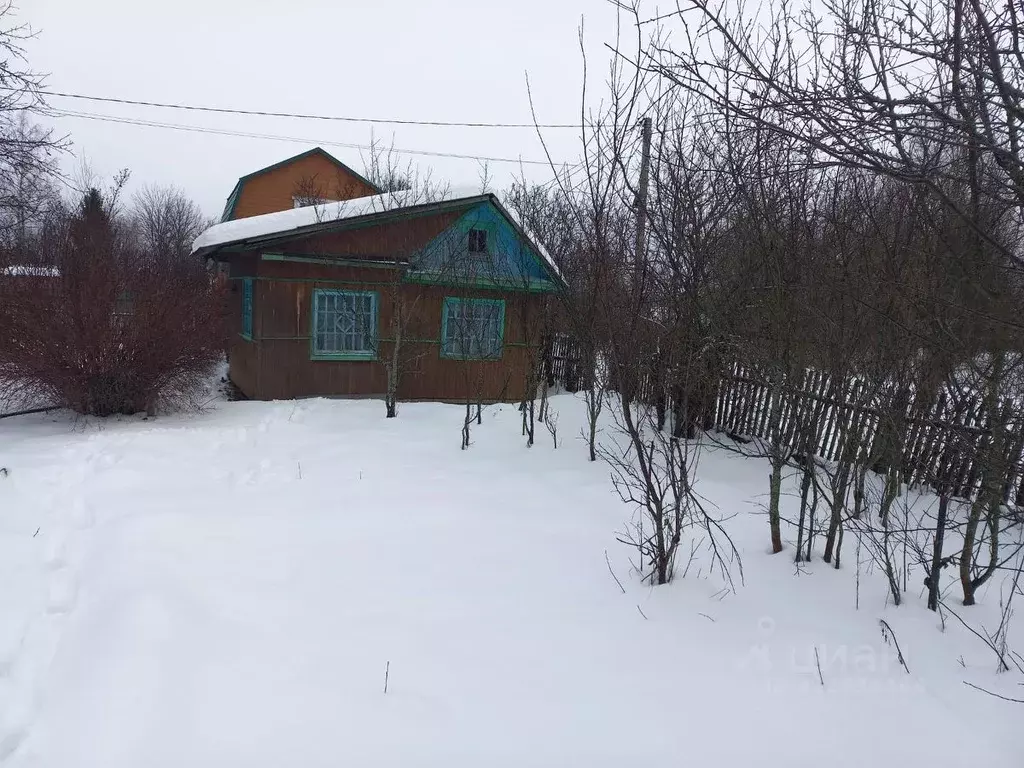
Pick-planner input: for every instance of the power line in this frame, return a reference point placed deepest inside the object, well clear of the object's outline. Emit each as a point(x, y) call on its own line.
point(321, 142)
point(264, 113)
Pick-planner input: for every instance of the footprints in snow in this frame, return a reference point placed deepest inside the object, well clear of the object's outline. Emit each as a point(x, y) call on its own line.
point(55, 550)
point(82, 516)
point(63, 594)
point(12, 637)
point(10, 741)
point(27, 647)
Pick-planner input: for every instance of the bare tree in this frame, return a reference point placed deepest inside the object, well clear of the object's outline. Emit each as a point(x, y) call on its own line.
point(411, 187)
point(576, 314)
point(28, 152)
point(166, 221)
point(33, 192)
point(385, 169)
point(875, 86)
point(928, 94)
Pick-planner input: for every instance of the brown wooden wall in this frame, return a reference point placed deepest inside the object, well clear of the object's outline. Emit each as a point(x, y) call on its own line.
point(243, 362)
point(388, 239)
point(276, 364)
point(273, 190)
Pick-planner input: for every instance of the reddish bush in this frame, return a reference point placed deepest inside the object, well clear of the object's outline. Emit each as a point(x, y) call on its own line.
point(109, 329)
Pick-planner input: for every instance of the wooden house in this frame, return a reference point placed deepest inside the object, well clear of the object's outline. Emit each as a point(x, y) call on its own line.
point(325, 299)
point(314, 176)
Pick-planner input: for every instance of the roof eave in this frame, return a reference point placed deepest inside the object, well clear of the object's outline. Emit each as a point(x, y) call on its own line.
point(249, 243)
point(553, 273)
point(334, 225)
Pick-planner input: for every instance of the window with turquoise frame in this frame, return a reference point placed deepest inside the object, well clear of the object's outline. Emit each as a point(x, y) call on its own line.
point(477, 241)
point(472, 329)
point(344, 325)
point(247, 308)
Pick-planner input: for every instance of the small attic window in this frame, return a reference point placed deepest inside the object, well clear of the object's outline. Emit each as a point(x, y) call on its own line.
point(304, 201)
point(478, 241)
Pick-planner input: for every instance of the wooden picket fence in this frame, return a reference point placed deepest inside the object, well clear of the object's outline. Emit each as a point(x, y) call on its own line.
point(564, 362)
point(936, 441)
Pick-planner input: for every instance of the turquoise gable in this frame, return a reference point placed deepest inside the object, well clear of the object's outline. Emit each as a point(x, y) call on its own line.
point(509, 262)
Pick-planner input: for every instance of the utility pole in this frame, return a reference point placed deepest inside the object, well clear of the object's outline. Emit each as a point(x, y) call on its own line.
point(641, 206)
point(628, 379)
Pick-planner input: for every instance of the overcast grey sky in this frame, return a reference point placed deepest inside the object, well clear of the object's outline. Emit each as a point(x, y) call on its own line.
point(454, 60)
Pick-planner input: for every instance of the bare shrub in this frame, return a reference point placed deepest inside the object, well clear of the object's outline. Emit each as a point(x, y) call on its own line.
point(109, 329)
point(551, 423)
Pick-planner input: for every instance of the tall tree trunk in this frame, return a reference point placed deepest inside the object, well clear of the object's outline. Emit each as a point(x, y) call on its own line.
point(778, 462)
point(812, 511)
point(967, 553)
point(531, 409)
point(859, 481)
point(805, 487)
point(839, 488)
point(940, 536)
point(592, 437)
point(839, 546)
point(889, 492)
point(992, 458)
point(594, 397)
point(774, 515)
point(394, 361)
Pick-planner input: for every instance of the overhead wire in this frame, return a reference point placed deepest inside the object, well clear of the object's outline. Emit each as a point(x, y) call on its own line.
point(297, 115)
point(322, 142)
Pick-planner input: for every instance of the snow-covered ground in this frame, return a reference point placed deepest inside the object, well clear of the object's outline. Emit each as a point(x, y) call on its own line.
point(230, 589)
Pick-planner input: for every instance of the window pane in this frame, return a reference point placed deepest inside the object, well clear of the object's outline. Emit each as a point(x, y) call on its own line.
point(472, 328)
point(345, 322)
point(478, 241)
point(454, 329)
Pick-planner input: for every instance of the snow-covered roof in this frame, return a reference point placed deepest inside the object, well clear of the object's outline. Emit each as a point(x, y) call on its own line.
point(28, 270)
point(294, 219)
point(282, 222)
